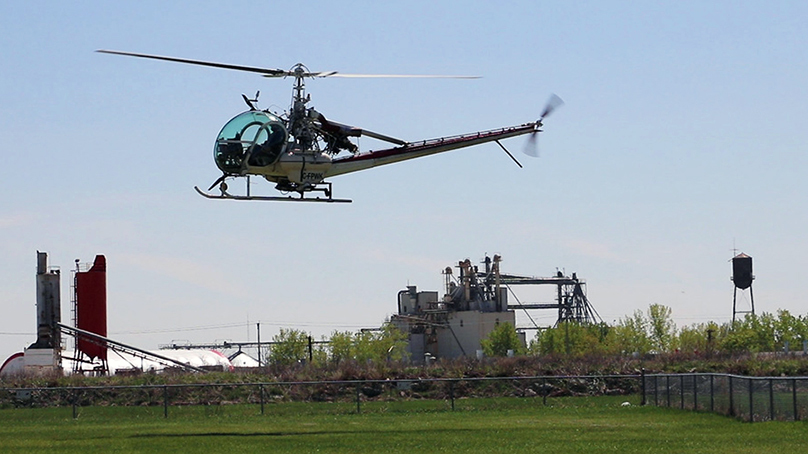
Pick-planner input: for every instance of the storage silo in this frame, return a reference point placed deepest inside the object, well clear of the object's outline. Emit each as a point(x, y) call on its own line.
point(91, 308)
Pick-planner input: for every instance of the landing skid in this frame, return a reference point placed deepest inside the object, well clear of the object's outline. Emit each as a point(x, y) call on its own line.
point(227, 196)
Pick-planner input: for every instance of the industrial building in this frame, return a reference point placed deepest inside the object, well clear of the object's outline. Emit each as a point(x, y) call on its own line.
point(453, 325)
point(474, 303)
point(94, 352)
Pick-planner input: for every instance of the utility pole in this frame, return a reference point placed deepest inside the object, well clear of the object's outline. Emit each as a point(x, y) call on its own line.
point(258, 328)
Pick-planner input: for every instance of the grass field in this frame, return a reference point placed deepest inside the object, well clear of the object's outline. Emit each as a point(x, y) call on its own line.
point(565, 425)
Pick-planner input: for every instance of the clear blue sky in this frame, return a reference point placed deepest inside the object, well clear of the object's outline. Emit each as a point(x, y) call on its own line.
point(683, 136)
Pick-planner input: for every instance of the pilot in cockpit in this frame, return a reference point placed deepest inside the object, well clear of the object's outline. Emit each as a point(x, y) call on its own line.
point(267, 152)
point(230, 152)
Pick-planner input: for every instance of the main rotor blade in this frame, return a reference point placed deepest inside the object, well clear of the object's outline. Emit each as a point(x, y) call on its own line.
point(270, 72)
point(395, 76)
point(265, 71)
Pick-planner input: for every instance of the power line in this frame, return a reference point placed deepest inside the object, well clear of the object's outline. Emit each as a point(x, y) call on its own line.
point(236, 325)
point(190, 328)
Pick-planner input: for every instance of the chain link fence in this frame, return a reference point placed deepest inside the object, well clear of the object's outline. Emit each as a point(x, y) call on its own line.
point(748, 398)
point(349, 393)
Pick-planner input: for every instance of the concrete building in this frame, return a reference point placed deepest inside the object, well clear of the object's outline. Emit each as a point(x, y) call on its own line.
point(454, 325)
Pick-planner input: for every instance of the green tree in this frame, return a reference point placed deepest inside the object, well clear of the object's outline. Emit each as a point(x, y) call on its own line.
point(341, 346)
point(629, 335)
point(547, 342)
point(389, 343)
point(661, 326)
point(765, 331)
point(753, 333)
point(697, 338)
point(573, 339)
point(367, 346)
point(501, 339)
point(791, 329)
point(739, 338)
point(320, 352)
point(289, 346)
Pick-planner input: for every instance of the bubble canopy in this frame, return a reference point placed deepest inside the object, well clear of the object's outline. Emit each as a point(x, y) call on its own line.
point(255, 136)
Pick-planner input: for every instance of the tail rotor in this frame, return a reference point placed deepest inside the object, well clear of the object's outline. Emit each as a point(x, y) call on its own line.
point(532, 145)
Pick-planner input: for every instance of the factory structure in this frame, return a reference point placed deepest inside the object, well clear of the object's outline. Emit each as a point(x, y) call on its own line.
point(94, 353)
point(476, 301)
point(43, 356)
point(453, 325)
point(450, 325)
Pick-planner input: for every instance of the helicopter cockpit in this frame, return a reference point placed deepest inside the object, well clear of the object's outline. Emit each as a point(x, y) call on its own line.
point(251, 138)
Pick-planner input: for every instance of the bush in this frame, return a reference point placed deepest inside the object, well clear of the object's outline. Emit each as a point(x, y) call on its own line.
point(501, 339)
point(290, 347)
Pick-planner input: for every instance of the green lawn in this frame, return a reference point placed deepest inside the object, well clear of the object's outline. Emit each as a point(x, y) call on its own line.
point(486, 425)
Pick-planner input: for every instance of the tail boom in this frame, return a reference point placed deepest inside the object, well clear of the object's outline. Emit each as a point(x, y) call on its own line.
point(412, 150)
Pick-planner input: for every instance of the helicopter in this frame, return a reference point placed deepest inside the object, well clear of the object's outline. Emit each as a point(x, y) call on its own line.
point(299, 149)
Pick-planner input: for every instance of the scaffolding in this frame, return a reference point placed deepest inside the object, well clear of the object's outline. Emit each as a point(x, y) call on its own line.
point(571, 301)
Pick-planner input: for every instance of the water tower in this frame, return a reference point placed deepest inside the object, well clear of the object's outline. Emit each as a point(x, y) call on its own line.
point(742, 277)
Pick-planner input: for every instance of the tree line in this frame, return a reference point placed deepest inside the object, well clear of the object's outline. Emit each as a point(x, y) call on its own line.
point(654, 331)
point(292, 346)
point(641, 333)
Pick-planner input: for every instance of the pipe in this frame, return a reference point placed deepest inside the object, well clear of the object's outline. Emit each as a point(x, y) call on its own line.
point(497, 280)
point(398, 298)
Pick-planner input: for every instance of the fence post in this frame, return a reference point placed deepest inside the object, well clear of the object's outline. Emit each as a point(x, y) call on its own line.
point(682, 392)
point(695, 393)
point(451, 393)
point(668, 389)
point(642, 377)
point(771, 399)
point(656, 390)
point(751, 401)
point(712, 393)
point(731, 398)
point(261, 393)
point(165, 401)
point(358, 409)
point(75, 396)
point(794, 398)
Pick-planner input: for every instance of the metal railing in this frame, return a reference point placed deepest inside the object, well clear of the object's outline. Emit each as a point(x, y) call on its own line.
point(747, 398)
